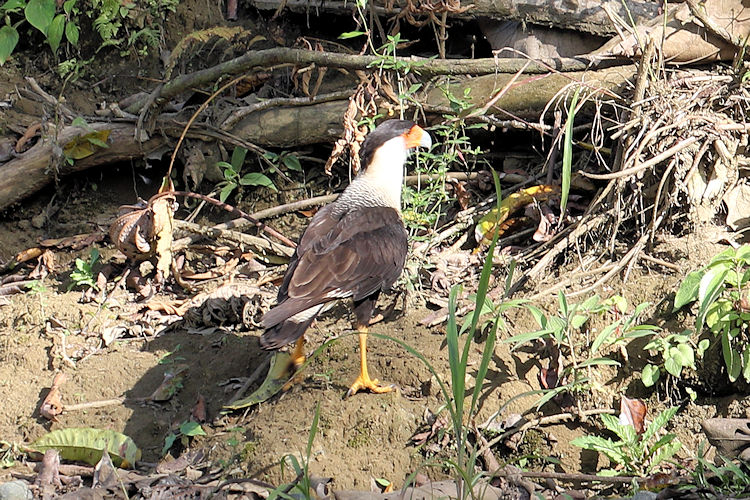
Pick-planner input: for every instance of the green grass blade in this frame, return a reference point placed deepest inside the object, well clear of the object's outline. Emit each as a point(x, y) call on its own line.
point(567, 165)
point(489, 350)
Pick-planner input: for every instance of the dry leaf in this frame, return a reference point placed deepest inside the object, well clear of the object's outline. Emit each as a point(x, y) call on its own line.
point(31, 132)
point(52, 405)
point(633, 413)
point(199, 409)
point(171, 384)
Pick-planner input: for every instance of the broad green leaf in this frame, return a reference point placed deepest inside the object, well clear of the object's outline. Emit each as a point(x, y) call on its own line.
point(86, 445)
point(710, 288)
point(731, 359)
point(665, 453)
point(688, 291)
point(660, 421)
point(226, 191)
point(578, 320)
point(526, 337)
point(72, 32)
point(538, 315)
point(702, 346)
point(673, 366)
point(292, 163)
point(746, 363)
point(191, 428)
point(351, 34)
point(8, 42)
point(688, 357)
point(68, 6)
point(80, 121)
point(39, 13)
point(743, 253)
point(12, 5)
point(257, 179)
point(86, 145)
point(55, 32)
point(650, 375)
point(238, 157)
point(168, 442)
point(604, 335)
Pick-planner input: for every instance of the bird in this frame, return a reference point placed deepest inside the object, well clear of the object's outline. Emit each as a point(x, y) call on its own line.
point(354, 247)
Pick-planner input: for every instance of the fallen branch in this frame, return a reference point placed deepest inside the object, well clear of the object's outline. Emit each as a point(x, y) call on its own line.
point(425, 67)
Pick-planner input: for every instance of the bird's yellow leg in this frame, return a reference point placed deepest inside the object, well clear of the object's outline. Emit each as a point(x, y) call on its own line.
point(364, 381)
point(297, 360)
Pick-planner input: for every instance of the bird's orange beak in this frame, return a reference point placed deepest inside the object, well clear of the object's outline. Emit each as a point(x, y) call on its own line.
point(416, 136)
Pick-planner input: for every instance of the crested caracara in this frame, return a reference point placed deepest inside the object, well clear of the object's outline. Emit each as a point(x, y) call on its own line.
point(355, 247)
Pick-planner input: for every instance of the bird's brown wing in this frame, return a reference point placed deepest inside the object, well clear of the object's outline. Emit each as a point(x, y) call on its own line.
point(353, 255)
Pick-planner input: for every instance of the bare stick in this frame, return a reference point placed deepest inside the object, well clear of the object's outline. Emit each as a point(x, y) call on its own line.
point(96, 404)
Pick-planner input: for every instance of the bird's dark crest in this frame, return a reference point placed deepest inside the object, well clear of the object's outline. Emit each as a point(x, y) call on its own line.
point(384, 132)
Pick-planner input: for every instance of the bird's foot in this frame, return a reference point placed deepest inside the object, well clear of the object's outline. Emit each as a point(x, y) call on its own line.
point(294, 365)
point(366, 383)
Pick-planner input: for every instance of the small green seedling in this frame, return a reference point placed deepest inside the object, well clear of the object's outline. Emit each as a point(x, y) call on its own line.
point(633, 454)
point(84, 275)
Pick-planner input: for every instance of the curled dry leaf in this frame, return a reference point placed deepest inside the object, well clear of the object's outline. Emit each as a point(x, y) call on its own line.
point(146, 232)
point(462, 194)
point(633, 412)
point(52, 405)
point(30, 133)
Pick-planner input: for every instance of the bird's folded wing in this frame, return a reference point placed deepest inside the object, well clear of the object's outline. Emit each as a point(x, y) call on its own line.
point(360, 253)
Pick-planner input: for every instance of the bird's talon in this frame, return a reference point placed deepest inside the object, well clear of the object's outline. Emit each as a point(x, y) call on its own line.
point(372, 385)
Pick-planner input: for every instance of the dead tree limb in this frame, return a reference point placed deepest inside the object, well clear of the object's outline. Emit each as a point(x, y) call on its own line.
point(583, 15)
point(285, 127)
point(426, 68)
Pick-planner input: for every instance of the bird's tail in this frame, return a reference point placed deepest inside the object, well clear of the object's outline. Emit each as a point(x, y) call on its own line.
point(284, 333)
point(290, 329)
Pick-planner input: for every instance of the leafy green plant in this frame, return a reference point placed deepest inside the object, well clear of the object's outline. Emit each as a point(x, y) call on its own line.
point(42, 15)
point(233, 180)
point(633, 454)
point(302, 486)
point(458, 359)
point(84, 276)
point(566, 330)
point(677, 351)
point(728, 480)
point(424, 203)
point(721, 290)
point(127, 25)
point(186, 430)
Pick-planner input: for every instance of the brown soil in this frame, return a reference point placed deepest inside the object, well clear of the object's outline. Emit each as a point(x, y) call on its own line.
point(358, 439)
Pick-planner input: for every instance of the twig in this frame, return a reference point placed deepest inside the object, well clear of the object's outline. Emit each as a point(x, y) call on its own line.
point(96, 404)
point(227, 234)
point(262, 367)
point(647, 164)
point(661, 262)
point(572, 477)
point(50, 99)
point(632, 253)
point(569, 280)
point(551, 419)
